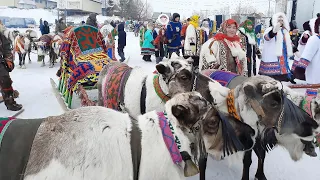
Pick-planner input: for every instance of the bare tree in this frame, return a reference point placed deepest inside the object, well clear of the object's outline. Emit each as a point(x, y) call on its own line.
point(224, 11)
point(245, 9)
point(135, 9)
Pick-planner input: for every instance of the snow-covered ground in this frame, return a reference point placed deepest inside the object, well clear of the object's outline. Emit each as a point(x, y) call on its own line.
point(38, 100)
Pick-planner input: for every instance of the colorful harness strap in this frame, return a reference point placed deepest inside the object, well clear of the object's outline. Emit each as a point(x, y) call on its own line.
point(231, 105)
point(306, 104)
point(158, 89)
point(171, 140)
point(4, 124)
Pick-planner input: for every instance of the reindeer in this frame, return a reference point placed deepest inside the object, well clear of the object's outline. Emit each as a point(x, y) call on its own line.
point(44, 47)
point(21, 46)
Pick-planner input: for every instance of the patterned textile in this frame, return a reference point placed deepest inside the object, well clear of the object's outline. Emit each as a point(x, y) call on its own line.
point(158, 89)
point(170, 140)
point(231, 106)
point(312, 92)
point(19, 41)
point(4, 124)
point(46, 38)
point(223, 77)
point(226, 59)
point(116, 78)
point(111, 44)
point(269, 68)
point(84, 54)
point(306, 104)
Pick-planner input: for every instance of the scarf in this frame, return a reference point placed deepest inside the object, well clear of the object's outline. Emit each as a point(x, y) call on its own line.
point(194, 20)
point(248, 32)
point(222, 34)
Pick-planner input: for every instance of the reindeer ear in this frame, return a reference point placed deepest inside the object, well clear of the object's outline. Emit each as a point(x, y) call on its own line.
point(179, 111)
point(250, 90)
point(189, 60)
point(174, 56)
point(162, 69)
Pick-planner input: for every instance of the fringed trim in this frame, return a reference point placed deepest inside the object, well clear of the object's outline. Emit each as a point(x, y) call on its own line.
point(85, 101)
point(231, 105)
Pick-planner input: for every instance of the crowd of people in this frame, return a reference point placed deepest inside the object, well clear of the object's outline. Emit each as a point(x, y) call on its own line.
point(235, 47)
point(232, 47)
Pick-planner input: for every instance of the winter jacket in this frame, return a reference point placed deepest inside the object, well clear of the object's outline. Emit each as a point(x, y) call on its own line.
point(122, 36)
point(159, 43)
point(44, 28)
point(92, 20)
point(5, 54)
point(173, 34)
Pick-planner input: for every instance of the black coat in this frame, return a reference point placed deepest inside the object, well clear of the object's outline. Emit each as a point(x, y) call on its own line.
point(122, 36)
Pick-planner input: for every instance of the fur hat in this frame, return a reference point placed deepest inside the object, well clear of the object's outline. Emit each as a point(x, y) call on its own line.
point(317, 26)
point(306, 26)
point(275, 18)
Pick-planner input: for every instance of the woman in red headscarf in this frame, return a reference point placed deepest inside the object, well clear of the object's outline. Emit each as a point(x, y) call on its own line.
point(224, 51)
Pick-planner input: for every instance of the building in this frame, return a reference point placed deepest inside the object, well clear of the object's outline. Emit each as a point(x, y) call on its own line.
point(29, 4)
point(79, 6)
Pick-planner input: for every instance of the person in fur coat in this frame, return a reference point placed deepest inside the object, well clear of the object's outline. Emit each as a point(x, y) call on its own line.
point(277, 49)
point(249, 44)
point(183, 34)
point(195, 37)
point(6, 66)
point(224, 51)
point(147, 47)
point(173, 35)
point(310, 58)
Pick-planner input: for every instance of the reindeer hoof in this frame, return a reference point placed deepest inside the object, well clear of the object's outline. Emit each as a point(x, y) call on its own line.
point(261, 177)
point(24, 67)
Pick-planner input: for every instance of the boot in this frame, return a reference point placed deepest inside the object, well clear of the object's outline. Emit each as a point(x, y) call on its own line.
point(309, 148)
point(11, 104)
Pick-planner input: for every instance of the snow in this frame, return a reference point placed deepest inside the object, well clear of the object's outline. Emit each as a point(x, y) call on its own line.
point(38, 99)
point(48, 15)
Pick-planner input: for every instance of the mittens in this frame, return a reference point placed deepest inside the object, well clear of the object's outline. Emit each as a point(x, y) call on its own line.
point(276, 28)
point(9, 65)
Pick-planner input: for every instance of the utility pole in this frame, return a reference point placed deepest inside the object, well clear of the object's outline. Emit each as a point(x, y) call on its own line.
point(269, 8)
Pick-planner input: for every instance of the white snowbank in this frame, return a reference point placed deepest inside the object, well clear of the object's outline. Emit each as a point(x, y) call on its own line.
point(49, 15)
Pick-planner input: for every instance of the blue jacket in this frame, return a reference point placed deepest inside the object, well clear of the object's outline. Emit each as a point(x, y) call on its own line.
point(173, 34)
point(122, 36)
point(44, 27)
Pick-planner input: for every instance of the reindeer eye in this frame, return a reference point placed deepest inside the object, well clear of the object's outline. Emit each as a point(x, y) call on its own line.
point(184, 77)
point(274, 104)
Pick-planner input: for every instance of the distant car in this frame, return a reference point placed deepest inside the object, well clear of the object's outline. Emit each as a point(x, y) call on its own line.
point(4, 20)
point(20, 23)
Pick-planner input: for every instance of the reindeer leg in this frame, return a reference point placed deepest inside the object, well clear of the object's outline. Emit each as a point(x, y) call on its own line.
point(43, 63)
point(246, 165)
point(261, 153)
point(24, 61)
point(20, 60)
point(29, 51)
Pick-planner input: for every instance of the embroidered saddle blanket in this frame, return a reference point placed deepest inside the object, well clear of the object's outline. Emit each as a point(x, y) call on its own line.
point(85, 54)
point(225, 78)
point(172, 142)
point(114, 83)
point(16, 138)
